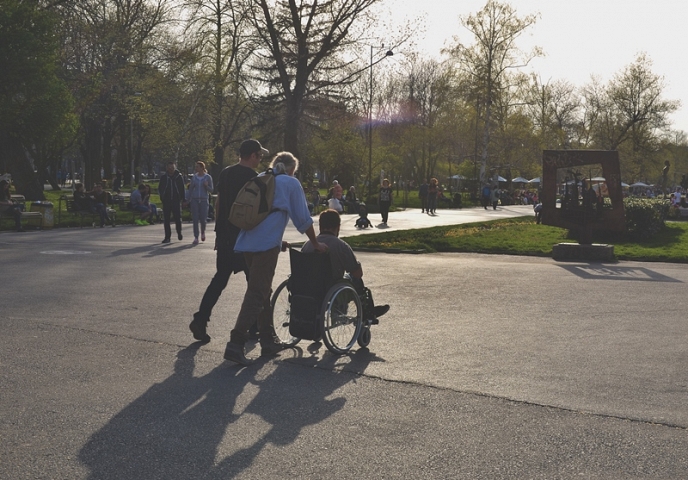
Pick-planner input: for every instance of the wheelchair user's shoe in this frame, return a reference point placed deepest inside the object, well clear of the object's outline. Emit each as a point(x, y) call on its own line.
point(380, 310)
point(198, 328)
point(235, 353)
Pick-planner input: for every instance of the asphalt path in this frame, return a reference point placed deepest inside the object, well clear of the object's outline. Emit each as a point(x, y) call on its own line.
point(486, 366)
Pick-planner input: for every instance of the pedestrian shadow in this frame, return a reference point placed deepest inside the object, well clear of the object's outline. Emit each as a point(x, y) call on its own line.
point(215, 425)
point(153, 250)
point(599, 271)
point(169, 249)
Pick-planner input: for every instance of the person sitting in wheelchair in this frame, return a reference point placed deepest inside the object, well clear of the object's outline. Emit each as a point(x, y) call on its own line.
point(344, 260)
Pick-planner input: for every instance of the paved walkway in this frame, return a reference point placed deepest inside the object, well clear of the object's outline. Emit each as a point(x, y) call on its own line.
point(486, 366)
point(413, 218)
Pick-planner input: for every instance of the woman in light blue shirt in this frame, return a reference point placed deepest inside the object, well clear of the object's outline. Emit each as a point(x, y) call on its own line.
point(261, 246)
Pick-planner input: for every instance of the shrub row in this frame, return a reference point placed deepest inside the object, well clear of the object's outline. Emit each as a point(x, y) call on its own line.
point(645, 217)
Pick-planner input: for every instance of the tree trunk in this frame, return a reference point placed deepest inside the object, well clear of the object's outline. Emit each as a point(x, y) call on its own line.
point(91, 152)
point(291, 128)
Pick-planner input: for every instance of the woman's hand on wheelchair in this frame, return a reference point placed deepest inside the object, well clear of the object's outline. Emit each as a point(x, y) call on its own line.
point(320, 247)
point(285, 246)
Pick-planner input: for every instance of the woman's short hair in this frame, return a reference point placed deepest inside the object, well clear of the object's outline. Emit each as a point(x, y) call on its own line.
point(284, 162)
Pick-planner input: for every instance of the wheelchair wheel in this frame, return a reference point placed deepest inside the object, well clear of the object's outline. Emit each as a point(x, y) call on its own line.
point(342, 317)
point(364, 337)
point(281, 308)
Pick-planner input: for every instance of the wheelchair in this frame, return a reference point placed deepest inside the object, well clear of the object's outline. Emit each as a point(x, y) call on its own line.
point(310, 305)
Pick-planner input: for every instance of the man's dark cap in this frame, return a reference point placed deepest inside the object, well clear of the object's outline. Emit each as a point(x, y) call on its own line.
point(251, 146)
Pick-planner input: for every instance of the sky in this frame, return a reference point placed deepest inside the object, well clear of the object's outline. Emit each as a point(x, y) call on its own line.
point(580, 38)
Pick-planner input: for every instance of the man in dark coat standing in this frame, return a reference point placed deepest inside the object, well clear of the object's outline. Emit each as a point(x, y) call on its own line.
point(171, 190)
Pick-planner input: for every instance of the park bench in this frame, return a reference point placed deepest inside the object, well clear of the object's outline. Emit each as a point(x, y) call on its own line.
point(73, 209)
point(31, 217)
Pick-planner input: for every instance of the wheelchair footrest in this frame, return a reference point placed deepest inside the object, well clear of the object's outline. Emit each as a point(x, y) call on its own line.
point(303, 317)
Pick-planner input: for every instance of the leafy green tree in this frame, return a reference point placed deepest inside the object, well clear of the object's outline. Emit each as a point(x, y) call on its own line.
point(108, 49)
point(224, 41)
point(554, 109)
point(35, 105)
point(487, 62)
point(629, 114)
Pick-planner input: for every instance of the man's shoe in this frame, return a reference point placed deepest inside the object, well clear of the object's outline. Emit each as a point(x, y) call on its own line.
point(235, 353)
point(166, 240)
point(198, 328)
point(271, 348)
point(195, 242)
point(179, 236)
point(380, 310)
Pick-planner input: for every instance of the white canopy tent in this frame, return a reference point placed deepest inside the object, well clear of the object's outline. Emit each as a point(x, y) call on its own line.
point(534, 180)
point(519, 180)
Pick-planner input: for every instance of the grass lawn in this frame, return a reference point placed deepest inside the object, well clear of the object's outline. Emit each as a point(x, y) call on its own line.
point(522, 236)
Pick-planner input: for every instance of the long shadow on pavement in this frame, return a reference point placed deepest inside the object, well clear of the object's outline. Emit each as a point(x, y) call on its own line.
point(608, 272)
point(196, 427)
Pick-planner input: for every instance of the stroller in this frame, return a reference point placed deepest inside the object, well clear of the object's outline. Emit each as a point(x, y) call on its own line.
point(362, 220)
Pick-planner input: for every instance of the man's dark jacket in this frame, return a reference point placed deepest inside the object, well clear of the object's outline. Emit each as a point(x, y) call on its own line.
point(171, 188)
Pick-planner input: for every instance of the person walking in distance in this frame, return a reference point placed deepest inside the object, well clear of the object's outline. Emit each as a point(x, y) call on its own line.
point(433, 190)
point(385, 200)
point(227, 261)
point(171, 190)
point(423, 195)
point(261, 246)
point(200, 186)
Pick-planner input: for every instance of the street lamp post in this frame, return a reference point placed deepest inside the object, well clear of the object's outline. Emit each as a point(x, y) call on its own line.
point(389, 53)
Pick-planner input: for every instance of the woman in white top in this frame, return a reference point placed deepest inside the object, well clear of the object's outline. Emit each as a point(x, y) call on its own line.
point(200, 187)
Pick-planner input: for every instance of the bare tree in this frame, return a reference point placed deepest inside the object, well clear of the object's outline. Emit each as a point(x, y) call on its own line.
point(301, 51)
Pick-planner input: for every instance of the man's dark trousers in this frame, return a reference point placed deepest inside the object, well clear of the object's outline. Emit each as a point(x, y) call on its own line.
point(175, 209)
point(225, 264)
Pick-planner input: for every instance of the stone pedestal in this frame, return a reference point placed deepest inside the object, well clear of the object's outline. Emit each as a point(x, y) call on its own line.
point(576, 251)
